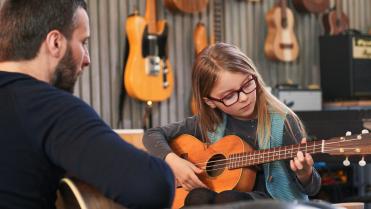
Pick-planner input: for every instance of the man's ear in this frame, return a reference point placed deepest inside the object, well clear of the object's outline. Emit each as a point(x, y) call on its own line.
point(209, 102)
point(56, 43)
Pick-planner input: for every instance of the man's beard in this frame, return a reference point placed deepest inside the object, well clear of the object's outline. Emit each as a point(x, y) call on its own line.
point(65, 74)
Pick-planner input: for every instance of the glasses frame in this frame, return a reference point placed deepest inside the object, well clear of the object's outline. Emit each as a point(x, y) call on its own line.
point(238, 93)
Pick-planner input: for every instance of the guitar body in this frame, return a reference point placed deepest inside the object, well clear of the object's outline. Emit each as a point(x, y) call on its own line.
point(186, 6)
point(219, 177)
point(75, 194)
point(200, 37)
point(200, 42)
point(311, 6)
point(148, 73)
point(281, 43)
point(335, 25)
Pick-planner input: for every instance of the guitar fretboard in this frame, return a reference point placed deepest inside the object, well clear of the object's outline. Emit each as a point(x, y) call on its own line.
point(239, 160)
point(218, 21)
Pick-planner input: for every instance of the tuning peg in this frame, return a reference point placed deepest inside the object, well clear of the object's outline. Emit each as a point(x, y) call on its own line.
point(362, 162)
point(348, 133)
point(346, 162)
point(365, 131)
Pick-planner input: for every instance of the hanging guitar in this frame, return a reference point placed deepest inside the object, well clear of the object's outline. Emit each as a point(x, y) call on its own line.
point(200, 37)
point(148, 73)
point(335, 21)
point(281, 43)
point(311, 6)
point(227, 163)
point(186, 6)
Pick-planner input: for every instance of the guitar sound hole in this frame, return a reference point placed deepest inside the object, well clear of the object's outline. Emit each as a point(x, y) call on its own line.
point(286, 46)
point(216, 165)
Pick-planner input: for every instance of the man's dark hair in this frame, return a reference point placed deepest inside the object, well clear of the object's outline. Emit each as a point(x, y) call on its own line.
point(24, 24)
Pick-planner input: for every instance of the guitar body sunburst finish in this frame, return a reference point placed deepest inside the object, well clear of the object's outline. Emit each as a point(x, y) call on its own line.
point(148, 73)
point(217, 175)
point(281, 43)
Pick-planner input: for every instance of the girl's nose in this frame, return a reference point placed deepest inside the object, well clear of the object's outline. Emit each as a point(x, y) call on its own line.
point(243, 96)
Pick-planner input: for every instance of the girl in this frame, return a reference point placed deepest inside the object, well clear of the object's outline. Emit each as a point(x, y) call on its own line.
point(231, 98)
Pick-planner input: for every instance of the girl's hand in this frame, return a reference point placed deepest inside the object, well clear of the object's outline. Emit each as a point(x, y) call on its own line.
point(302, 165)
point(185, 172)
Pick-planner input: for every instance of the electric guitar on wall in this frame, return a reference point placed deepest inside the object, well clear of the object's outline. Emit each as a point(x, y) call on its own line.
point(228, 163)
point(148, 73)
point(335, 21)
point(281, 43)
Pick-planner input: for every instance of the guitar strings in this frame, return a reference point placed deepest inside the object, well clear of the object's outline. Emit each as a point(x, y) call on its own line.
point(224, 165)
point(258, 152)
point(257, 156)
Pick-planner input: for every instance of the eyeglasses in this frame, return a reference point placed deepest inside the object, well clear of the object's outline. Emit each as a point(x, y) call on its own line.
point(234, 96)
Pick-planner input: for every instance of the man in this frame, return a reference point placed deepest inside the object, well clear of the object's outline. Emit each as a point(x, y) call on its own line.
point(46, 132)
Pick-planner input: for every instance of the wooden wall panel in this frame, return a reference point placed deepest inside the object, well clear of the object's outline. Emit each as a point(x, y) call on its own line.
point(100, 85)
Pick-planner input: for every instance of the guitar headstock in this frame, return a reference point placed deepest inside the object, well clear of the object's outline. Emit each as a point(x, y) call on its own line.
point(357, 144)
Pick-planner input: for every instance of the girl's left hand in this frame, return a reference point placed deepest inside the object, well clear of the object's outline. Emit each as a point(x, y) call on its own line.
point(302, 165)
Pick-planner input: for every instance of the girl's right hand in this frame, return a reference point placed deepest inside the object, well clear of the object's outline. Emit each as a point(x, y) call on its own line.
point(185, 172)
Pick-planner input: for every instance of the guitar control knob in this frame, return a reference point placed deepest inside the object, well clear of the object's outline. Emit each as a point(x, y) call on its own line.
point(346, 162)
point(362, 162)
point(348, 133)
point(365, 131)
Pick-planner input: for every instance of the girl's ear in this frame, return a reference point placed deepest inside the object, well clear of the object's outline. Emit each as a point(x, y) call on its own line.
point(209, 102)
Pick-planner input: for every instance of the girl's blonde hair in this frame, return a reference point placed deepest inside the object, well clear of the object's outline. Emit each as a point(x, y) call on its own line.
point(220, 57)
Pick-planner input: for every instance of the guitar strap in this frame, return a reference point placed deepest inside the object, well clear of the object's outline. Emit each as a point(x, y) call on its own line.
point(219, 131)
point(278, 181)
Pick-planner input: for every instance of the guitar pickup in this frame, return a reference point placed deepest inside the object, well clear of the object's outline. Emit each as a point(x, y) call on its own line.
point(153, 65)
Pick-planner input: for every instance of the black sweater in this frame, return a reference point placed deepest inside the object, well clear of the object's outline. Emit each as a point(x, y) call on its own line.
point(46, 132)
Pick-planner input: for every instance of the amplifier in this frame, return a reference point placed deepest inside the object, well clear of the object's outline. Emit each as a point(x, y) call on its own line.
point(300, 99)
point(345, 66)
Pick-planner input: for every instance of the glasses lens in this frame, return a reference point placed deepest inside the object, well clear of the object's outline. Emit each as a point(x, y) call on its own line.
point(249, 87)
point(230, 99)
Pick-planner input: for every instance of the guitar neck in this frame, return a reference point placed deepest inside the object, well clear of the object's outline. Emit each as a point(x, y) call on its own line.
point(150, 16)
point(283, 6)
point(239, 160)
point(218, 21)
point(349, 145)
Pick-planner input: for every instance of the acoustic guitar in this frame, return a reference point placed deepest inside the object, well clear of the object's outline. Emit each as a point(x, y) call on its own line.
point(186, 6)
point(311, 6)
point(281, 43)
point(335, 21)
point(76, 194)
point(148, 73)
point(228, 163)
